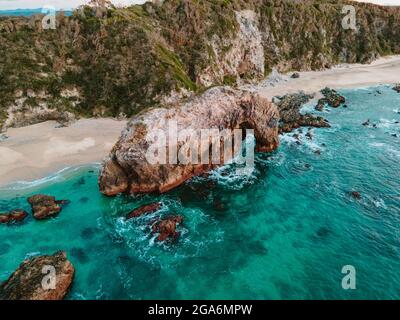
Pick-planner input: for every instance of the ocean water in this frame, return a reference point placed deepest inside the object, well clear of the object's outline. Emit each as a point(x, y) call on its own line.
point(283, 233)
point(27, 12)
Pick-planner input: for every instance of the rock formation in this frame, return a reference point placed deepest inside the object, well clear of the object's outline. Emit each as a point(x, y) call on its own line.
point(166, 228)
point(26, 282)
point(290, 117)
point(44, 207)
point(147, 209)
point(331, 97)
point(127, 168)
point(13, 216)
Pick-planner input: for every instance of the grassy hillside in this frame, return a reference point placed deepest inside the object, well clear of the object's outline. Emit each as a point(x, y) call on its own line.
point(125, 60)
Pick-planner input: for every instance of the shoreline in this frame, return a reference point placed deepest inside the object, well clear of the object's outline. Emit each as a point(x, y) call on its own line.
point(383, 71)
point(38, 151)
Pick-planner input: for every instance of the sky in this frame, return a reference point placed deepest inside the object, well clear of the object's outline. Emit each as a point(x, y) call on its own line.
point(68, 4)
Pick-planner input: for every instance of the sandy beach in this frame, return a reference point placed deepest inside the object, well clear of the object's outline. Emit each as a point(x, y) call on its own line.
point(36, 151)
point(385, 70)
point(33, 152)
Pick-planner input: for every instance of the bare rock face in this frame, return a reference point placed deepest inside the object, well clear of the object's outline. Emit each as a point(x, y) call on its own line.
point(13, 216)
point(26, 282)
point(44, 207)
point(127, 168)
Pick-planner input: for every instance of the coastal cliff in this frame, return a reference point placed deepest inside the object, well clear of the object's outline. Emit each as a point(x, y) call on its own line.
point(120, 61)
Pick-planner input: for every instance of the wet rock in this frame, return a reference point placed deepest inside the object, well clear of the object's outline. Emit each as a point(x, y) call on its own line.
point(319, 106)
point(44, 207)
point(397, 88)
point(147, 209)
point(356, 195)
point(309, 135)
point(332, 98)
point(26, 282)
point(366, 123)
point(166, 228)
point(295, 75)
point(13, 216)
point(289, 108)
point(317, 152)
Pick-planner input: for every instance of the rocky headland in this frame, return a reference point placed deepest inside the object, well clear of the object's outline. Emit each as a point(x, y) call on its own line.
point(127, 168)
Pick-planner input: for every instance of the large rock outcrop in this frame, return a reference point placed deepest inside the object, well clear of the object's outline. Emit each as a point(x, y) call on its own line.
point(127, 168)
point(26, 283)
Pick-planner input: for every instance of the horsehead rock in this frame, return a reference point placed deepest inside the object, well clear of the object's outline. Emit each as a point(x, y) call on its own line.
point(127, 168)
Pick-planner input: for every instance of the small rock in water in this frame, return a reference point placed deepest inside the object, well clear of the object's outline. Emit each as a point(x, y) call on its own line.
point(355, 195)
point(44, 207)
point(147, 209)
point(3, 137)
point(26, 282)
point(166, 228)
point(13, 216)
point(332, 98)
point(366, 123)
point(317, 152)
point(309, 135)
point(397, 88)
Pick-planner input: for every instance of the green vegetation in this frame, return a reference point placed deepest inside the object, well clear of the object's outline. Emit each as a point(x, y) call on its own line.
point(126, 60)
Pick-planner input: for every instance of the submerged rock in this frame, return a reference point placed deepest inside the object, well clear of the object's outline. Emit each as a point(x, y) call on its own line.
point(355, 195)
point(26, 282)
point(127, 168)
point(44, 207)
point(13, 216)
point(147, 209)
point(167, 228)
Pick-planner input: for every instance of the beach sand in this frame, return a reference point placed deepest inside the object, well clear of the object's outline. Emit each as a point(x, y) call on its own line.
point(36, 151)
point(385, 70)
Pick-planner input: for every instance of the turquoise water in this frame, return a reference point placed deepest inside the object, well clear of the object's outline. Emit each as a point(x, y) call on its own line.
point(26, 12)
point(283, 233)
